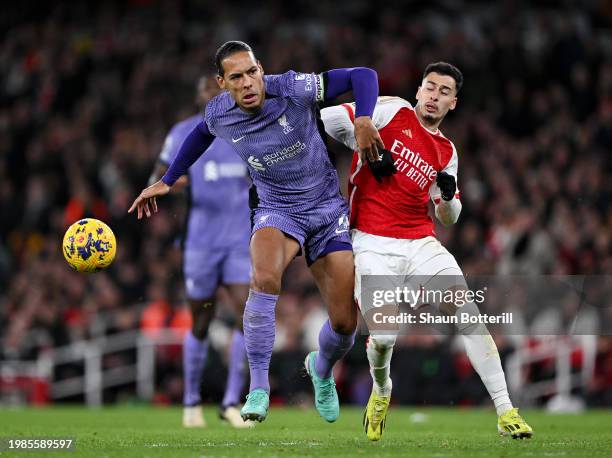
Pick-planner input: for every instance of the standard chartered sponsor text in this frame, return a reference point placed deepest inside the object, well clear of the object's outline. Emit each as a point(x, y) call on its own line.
point(285, 153)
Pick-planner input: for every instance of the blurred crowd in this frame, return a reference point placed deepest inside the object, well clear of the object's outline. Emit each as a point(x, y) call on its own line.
point(89, 90)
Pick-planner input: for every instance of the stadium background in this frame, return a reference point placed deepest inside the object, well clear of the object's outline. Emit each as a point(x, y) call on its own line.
point(89, 90)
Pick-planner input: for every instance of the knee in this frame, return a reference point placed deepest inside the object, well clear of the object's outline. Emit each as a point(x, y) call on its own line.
point(266, 281)
point(239, 306)
point(466, 326)
point(454, 299)
point(344, 326)
point(239, 323)
point(201, 320)
point(448, 308)
point(382, 342)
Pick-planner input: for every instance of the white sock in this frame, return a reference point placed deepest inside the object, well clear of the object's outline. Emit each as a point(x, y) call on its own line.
point(483, 355)
point(379, 351)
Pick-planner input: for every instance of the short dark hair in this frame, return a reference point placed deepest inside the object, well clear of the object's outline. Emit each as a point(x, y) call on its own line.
point(444, 68)
point(227, 49)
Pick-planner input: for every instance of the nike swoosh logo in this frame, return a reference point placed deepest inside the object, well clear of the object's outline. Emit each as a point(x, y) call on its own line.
point(340, 232)
point(236, 140)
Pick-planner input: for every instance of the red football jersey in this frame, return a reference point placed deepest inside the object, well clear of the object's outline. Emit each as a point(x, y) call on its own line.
point(397, 207)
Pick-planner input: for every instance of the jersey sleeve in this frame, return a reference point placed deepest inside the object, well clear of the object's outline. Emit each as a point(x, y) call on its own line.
point(194, 145)
point(306, 88)
point(451, 168)
point(339, 119)
point(338, 122)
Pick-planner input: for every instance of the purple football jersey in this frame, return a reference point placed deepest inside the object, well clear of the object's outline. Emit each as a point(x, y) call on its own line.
point(218, 190)
point(282, 145)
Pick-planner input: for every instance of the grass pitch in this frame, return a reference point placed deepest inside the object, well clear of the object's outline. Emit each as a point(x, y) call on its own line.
point(411, 432)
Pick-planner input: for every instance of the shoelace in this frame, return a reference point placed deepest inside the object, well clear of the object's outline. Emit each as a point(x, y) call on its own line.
point(514, 416)
point(256, 397)
point(379, 406)
point(327, 391)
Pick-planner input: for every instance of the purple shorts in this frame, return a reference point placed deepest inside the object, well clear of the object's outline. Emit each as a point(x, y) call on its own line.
point(319, 231)
point(206, 270)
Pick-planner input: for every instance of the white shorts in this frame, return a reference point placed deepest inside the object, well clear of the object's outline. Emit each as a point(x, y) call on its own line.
point(401, 260)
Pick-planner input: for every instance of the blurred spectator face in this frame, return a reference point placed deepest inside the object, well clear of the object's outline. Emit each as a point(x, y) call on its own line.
point(207, 89)
point(436, 95)
point(243, 78)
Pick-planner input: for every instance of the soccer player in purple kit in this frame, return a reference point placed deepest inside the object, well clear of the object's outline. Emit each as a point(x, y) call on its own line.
point(215, 252)
point(273, 123)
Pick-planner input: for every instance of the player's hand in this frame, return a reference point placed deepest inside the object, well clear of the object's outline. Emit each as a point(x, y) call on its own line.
point(368, 139)
point(447, 185)
point(384, 167)
point(147, 197)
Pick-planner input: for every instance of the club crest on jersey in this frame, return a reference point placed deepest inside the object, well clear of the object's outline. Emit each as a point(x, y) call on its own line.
point(285, 124)
point(254, 162)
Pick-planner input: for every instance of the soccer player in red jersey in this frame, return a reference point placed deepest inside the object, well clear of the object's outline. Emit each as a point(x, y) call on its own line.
point(393, 234)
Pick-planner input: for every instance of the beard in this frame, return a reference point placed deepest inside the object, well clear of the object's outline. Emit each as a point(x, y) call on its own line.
point(428, 118)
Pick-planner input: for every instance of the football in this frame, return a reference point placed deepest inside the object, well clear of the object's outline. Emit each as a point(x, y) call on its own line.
point(89, 245)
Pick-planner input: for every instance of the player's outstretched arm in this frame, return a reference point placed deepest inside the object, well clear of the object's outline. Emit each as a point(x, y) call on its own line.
point(198, 141)
point(364, 84)
point(194, 145)
point(160, 169)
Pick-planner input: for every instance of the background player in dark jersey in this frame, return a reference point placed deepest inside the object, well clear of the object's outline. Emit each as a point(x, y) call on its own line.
point(272, 121)
point(215, 252)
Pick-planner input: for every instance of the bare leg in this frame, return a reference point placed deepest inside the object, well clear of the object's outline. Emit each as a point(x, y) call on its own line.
point(271, 252)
